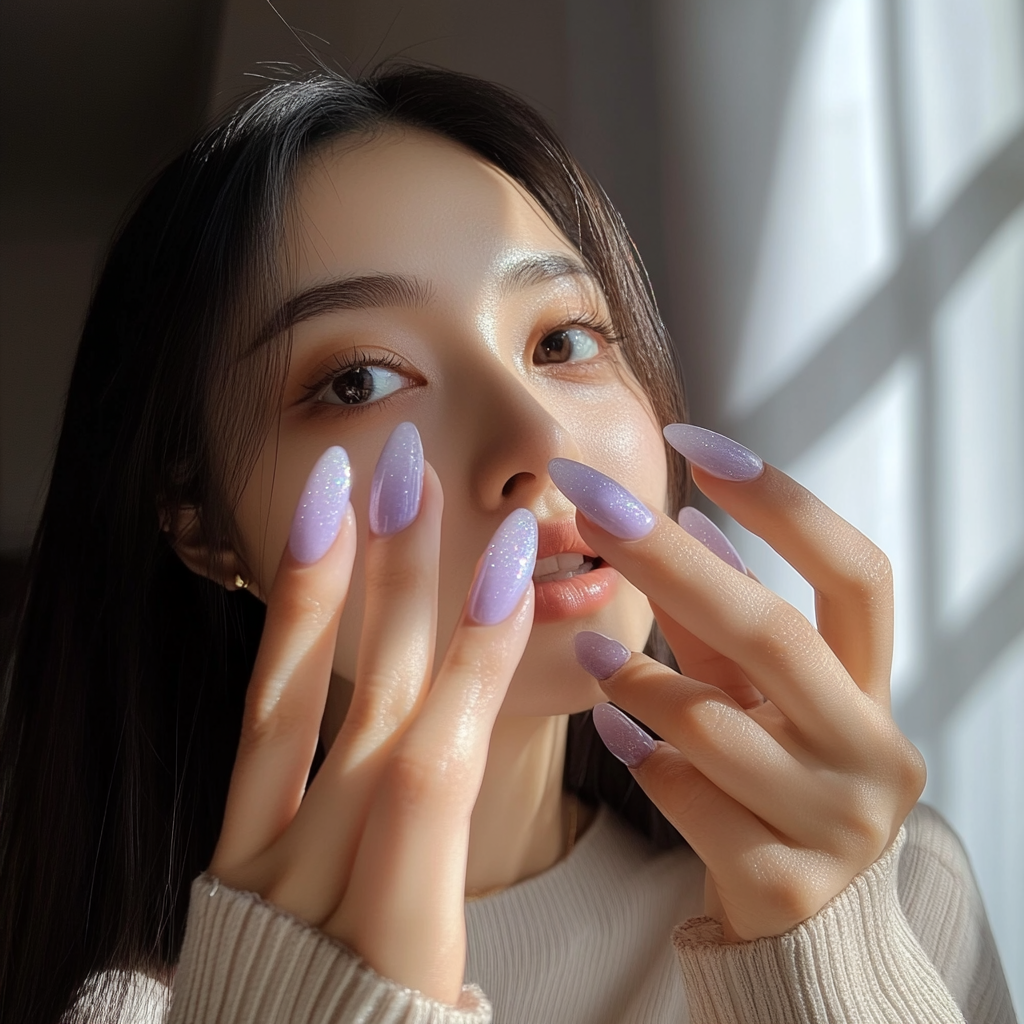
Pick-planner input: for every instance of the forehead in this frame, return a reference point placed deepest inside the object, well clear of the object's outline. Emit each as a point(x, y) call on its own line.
point(412, 203)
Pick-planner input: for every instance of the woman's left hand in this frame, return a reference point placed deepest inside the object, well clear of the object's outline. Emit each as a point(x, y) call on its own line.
point(786, 800)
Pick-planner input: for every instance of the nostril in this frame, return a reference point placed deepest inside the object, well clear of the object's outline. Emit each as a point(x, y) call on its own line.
point(512, 482)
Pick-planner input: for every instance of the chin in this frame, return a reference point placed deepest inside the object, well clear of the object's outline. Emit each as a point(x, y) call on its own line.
point(550, 681)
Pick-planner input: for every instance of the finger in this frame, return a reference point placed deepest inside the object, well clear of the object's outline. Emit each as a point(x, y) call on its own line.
point(746, 755)
point(701, 661)
point(718, 828)
point(396, 649)
point(409, 874)
point(285, 699)
point(851, 577)
point(771, 642)
point(759, 879)
point(694, 657)
point(395, 656)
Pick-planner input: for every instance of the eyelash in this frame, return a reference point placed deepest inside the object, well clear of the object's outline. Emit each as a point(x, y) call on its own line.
point(598, 324)
point(351, 360)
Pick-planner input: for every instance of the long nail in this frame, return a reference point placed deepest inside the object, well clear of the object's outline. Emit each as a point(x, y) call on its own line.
point(698, 526)
point(622, 736)
point(714, 453)
point(506, 570)
point(397, 485)
point(323, 503)
point(600, 655)
point(600, 498)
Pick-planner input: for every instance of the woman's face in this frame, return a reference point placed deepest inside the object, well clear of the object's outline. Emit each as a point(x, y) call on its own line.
point(467, 313)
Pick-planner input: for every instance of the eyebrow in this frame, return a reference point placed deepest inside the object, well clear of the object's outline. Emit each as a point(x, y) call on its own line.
point(539, 268)
point(381, 291)
point(368, 291)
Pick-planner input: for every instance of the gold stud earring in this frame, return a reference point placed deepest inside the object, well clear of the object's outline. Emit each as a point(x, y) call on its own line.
point(241, 584)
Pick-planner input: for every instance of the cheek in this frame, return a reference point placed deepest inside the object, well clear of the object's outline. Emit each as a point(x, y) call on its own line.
point(621, 439)
point(265, 510)
point(268, 503)
point(270, 497)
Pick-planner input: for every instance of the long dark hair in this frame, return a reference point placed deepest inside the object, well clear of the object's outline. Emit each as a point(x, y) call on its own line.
point(122, 701)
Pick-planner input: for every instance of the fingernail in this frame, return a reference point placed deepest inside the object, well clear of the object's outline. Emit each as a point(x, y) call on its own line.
point(600, 655)
point(397, 485)
point(318, 517)
point(600, 498)
point(506, 569)
point(622, 736)
point(698, 526)
point(714, 453)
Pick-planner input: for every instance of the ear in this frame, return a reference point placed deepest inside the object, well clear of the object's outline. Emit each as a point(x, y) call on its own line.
point(184, 530)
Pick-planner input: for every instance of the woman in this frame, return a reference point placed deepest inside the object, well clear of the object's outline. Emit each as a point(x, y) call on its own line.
point(339, 280)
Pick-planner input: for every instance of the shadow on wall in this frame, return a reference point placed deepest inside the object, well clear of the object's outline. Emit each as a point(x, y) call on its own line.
point(849, 249)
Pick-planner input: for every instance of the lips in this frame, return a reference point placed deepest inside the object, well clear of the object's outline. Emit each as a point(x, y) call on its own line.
point(570, 580)
point(562, 567)
point(558, 537)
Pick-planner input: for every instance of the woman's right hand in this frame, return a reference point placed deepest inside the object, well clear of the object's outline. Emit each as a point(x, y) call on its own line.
point(374, 852)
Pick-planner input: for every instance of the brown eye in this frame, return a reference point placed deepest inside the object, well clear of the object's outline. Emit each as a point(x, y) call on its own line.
point(570, 345)
point(361, 385)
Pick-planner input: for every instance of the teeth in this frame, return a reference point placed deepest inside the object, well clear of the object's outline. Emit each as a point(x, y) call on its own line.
point(562, 566)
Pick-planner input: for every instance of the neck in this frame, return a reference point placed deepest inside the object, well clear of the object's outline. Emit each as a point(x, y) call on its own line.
point(518, 828)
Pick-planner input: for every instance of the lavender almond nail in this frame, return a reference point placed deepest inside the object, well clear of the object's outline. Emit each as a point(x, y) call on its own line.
point(715, 454)
point(323, 503)
point(600, 655)
point(622, 736)
point(397, 486)
point(601, 499)
point(506, 569)
point(698, 526)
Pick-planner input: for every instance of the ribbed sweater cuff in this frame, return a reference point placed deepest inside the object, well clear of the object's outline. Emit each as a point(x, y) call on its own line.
point(856, 960)
point(246, 960)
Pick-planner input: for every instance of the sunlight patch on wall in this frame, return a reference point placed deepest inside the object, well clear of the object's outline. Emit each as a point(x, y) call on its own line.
point(983, 764)
point(964, 85)
point(978, 344)
point(827, 239)
point(865, 468)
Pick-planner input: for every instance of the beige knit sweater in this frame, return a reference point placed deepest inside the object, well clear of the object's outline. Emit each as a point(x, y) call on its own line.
point(592, 942)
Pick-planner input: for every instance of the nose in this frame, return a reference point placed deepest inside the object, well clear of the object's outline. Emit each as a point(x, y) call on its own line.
point(517, 435)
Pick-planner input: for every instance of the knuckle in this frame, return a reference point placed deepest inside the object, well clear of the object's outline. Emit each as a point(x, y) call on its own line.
point(690, 798)
point(409, 781)
point(375, 715)
point(465, 659)
point(862, 826)
point(483, 670)
point(703, 713)
point(895, 761)
point(302, 608)
point(788, 893)
point(387, 697)
point(911, 771)
point(876, 568)
point(266, 721)
point(867, 573)
point(778, 633)
point(415, 780)
point(393, 575)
